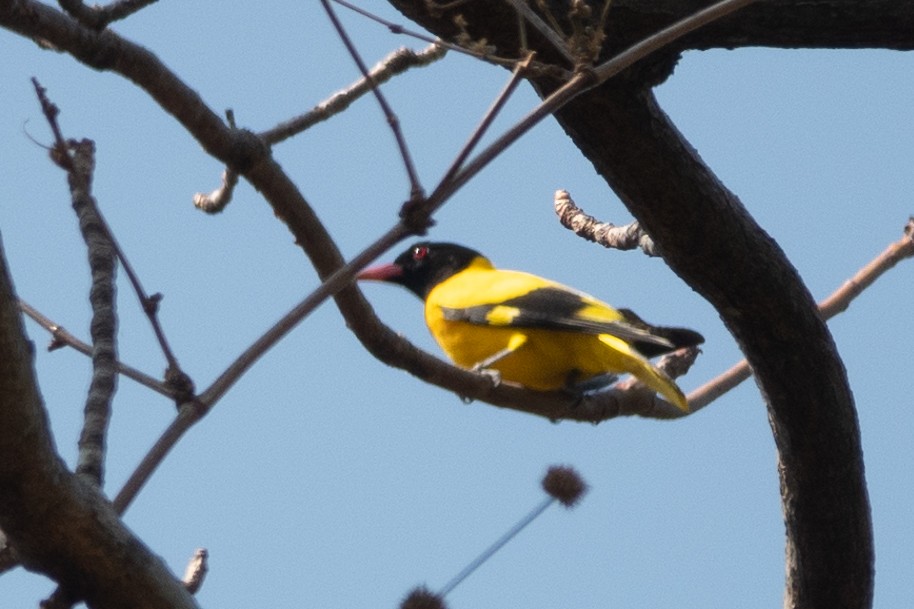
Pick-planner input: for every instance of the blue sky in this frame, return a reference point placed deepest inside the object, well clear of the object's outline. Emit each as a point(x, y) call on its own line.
point(325, 478)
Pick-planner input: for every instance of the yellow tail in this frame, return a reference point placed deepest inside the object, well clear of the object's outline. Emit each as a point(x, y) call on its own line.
point(647, 373)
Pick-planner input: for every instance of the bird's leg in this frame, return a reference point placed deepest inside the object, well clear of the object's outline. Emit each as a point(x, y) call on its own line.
point(575, 384)
point(514, 343)
point(578, 388)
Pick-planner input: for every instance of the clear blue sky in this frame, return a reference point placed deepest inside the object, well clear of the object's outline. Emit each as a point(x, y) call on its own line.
point(326, 479)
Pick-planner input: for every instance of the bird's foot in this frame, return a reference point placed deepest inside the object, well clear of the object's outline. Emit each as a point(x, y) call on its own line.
point(493, 375)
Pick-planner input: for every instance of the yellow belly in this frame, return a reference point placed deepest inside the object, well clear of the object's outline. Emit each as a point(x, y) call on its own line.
point(548, 359)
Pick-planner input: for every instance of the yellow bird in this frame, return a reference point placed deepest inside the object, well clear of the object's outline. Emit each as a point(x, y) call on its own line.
point(532, 331)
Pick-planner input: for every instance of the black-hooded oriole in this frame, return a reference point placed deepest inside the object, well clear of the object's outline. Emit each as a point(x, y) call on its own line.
point(532, 331)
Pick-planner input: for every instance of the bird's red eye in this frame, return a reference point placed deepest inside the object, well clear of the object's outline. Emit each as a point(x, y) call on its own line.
point(420, 252)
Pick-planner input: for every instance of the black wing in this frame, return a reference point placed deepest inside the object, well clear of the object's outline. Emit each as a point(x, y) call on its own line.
point(558, 309)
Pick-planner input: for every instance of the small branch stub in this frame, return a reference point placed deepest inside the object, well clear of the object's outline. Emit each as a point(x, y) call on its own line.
point(627, 237)
point(196, 570)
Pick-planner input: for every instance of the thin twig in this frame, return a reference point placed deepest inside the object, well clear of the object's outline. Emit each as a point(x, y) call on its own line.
point(488, 118)
point(527, 14)
point(188, 414)
point(333, 284)
point(579, 83)
point(666, 36)
point(215, 201)
point(396, 63)
point(193, 410)
point(836, 303)
point(416, 190)
point(396, 28)
point(149, 304)
point(79, 162)
point(61, 337)
point(497, 545)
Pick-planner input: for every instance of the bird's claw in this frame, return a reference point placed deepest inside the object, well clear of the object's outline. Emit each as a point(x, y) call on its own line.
point(493, 375)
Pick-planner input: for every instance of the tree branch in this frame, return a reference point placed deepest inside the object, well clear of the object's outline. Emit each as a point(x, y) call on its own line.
point(77, 158)
point(61, 337)
point(103, 265)
point(712, 242)
point(59, 525)
point(607, 234)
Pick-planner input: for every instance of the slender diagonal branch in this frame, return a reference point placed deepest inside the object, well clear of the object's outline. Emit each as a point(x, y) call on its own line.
point(666, 36)
point(396, 63)
point(831, 306)
point(396, 28)
point(78, 159)
point(61, 337)
point(416, 190)
point(529, 16)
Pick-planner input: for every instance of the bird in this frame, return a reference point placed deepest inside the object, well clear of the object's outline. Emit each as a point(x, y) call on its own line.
point(529, 330)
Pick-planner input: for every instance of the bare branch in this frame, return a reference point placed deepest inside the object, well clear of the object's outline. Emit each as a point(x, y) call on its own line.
point(608, 235)
point(196, 570)
point(834, 304)
point(52, 517)
point(416, 190)
point(528, 15)
point(103, 265)
point(61, 337)
point(666, 36)
point(78, 158)
point(215, 202)
point(396, 28)
point(396, 63)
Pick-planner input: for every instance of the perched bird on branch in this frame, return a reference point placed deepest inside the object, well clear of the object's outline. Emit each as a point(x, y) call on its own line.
point(532, 331)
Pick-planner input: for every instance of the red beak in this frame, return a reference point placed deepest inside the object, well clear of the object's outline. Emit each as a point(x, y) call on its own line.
point(383, 272)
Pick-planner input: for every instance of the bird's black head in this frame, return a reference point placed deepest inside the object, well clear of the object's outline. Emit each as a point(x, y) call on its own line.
point(423, 266)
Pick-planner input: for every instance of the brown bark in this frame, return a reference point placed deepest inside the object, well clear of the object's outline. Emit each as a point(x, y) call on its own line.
point(59, 525)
